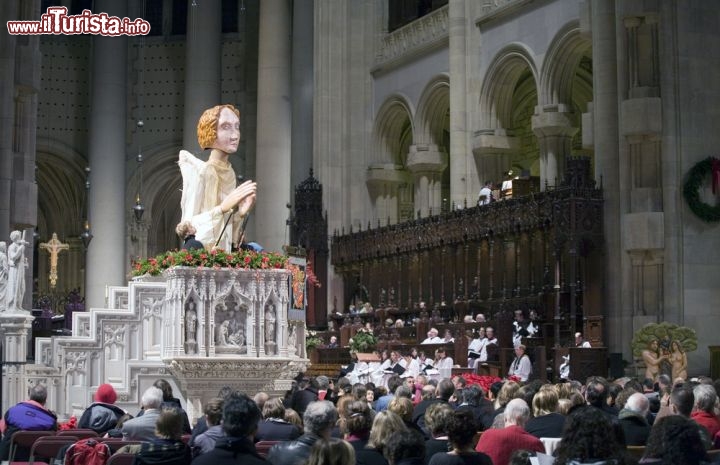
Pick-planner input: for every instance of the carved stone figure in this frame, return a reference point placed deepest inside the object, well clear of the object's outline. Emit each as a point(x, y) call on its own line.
point(292, 341)
point(16, 274)
point(221, 334)
point(270, 323)
point(190, 322)
point(3, 276)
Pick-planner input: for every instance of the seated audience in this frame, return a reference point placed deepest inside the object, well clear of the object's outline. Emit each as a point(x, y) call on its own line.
point(303, 397)
point(273, 427)
point(28, 415)
point(240, 419)
point(169, 401)
point(633, 420)
point(142, 428)
point(167, 446)
point(704, 409)
point(473, 400)
point(200, 425)
point(385, 424)
point(499, 444)
point(589, 437)
point(443, 392)
point(404, 448)
point(546, 422)
point(318, 420)
point(331, 452)
point(461, 433)
point(356, 424)
point(205, 442)
point(674, 440)
point(102, 415)
point(437, 422)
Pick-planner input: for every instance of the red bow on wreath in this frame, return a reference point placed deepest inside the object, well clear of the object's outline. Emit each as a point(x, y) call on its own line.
point(715, 173)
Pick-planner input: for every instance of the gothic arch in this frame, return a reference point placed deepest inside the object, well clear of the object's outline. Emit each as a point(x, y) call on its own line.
point(161, 191)
point(498, 88)
point(394, 120)
point(433, 118)
point(61, 189)
point(561, 64)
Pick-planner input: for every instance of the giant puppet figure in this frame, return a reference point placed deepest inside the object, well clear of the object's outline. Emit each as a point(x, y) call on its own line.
point(210, 195)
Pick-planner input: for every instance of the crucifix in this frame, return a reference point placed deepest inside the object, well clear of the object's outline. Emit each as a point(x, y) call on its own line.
point(54, 247)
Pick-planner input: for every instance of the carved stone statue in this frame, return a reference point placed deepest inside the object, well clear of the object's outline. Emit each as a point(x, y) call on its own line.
point(270, 323)
point(16, 274)
point(270, 319)
point(3, 276)
point(221, 334)
point(190, 322)
point(292, 340)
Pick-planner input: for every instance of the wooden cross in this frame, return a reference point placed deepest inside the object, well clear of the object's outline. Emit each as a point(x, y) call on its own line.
point(54, 247)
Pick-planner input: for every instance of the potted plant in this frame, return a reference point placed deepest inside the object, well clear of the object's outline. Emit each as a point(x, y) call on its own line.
point(312, 341)
point(363, 341)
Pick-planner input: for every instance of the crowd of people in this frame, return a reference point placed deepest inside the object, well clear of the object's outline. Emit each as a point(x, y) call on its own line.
point(415, 420)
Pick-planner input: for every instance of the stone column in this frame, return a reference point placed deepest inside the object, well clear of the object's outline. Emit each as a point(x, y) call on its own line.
point(554, 132)
point(202, 66)
point(7, 116)
point(302, 90)
point(459, 172)
point(274, 123)
point(106, 152)
point(607, 163)
point(427, 163)
point(14, 329)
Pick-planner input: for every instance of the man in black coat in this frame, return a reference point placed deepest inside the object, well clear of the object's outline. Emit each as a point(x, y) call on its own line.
point(239, 420)
point(443, 393)
point(302, 398)
point(633, 419)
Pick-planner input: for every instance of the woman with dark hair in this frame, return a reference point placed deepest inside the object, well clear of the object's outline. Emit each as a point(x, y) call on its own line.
point(461, 432)
point(674, 440)
point(589, 438)
point(356, 421)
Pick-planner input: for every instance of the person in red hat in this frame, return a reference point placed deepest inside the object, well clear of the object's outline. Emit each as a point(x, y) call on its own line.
point(102, 415)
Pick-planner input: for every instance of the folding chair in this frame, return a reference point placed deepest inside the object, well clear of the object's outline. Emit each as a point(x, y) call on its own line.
point(46, 448)
point(22, 441)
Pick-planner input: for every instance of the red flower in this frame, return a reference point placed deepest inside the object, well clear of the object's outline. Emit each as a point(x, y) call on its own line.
point(247, 259)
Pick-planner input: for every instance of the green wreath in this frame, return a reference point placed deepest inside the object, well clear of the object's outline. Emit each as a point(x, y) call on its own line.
point(691, 191)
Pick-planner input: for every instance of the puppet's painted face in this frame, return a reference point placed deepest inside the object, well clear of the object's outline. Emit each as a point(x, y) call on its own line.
point(228, 132)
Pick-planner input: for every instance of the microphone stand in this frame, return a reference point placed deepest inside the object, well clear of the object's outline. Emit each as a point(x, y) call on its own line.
point(232, 212)
point(227, 221)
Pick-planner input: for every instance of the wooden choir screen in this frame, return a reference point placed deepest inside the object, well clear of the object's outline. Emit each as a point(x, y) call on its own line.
point(541, 253)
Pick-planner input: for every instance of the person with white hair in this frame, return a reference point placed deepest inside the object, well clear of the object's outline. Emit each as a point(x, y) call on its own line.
point(703, 411)
point(500, 444)
point(142, 428)
point(633, 420)
point(432, 337)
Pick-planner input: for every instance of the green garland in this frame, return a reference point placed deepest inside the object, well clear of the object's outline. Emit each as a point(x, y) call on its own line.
point(691, 191)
